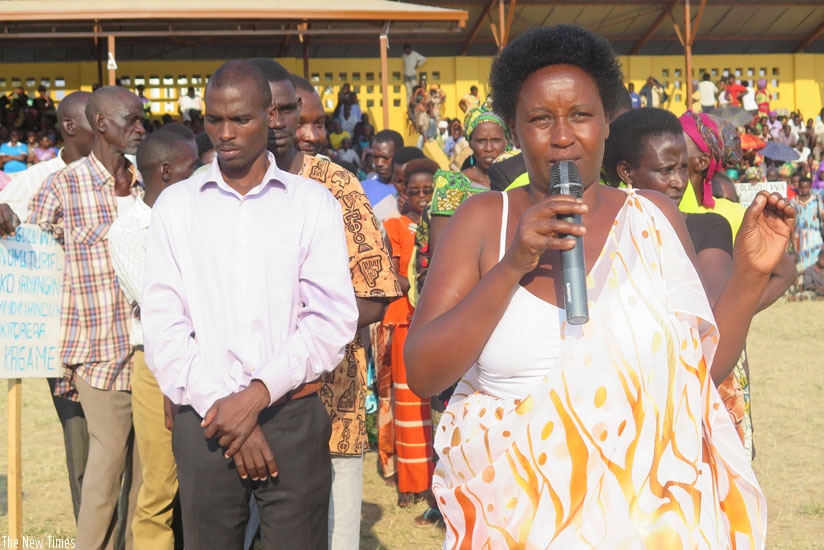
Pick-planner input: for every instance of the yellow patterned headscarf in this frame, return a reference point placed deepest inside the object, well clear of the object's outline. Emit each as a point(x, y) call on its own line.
point(483, 114)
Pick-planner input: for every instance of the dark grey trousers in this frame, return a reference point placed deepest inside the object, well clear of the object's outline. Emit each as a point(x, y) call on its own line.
point(75, 439)
point(293, 508)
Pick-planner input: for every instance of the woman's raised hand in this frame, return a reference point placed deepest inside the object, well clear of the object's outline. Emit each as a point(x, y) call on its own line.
point(540, 229)
point(765, 231)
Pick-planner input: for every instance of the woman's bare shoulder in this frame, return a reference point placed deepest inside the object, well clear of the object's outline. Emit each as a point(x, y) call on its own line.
point(480, 205)
point(476, 221)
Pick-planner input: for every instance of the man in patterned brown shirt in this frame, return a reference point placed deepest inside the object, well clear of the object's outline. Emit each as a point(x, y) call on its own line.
point(375, 283)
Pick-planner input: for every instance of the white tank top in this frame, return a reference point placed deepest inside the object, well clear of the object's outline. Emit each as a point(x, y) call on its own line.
point(525, 345)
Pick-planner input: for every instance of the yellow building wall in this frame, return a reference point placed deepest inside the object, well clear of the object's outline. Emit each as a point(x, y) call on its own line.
point(793, 80)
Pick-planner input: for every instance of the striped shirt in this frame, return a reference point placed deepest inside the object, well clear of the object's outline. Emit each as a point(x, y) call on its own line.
point(78, 205)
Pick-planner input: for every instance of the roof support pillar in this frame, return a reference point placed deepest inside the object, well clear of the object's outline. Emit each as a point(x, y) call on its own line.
point(98, 52)
point(385, 77)
point(112, 66)
point(306, 57)
point(500, 31)
point(687, 39)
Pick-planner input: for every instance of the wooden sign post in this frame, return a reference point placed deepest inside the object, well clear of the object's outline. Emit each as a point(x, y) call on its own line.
point(15, 468)
point(31, 291)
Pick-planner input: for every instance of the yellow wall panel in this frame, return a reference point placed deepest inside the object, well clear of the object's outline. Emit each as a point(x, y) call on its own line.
point(794, 79)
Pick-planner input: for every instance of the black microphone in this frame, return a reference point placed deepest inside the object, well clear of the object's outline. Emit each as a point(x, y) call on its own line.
point(564, 179)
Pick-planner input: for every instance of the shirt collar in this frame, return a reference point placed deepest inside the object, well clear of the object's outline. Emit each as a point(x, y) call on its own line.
point(274, 177)
point(101, 175)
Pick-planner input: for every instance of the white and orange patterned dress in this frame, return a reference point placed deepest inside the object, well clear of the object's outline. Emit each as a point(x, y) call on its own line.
point(606, 435)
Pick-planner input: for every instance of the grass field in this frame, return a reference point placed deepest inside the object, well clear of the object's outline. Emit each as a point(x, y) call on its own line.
point(787, 370)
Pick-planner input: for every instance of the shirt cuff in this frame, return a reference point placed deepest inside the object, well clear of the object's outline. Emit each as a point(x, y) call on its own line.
point(279, 381)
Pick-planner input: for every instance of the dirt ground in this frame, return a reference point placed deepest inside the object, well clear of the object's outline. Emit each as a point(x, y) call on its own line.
point(787, 371)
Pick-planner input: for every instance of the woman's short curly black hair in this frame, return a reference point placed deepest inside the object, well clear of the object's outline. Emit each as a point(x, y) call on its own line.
point(628, 135)
point(558, 45)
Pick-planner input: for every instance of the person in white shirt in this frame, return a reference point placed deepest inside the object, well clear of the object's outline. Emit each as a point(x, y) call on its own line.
point(411, 61)
point(748, 101)
point(722, 93)
point(349, 113)
point(348, 154)
point(708, 91)
point(786, 136)
point(190, 105)
point(163, 158)
point(803, 153)
point(247, 301)
point(796, 124)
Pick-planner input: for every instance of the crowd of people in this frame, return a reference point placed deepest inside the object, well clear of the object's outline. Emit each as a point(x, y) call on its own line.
point(233, 278)
point(774, 147)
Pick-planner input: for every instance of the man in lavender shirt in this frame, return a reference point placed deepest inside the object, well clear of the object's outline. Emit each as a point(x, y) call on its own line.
point(247, 301)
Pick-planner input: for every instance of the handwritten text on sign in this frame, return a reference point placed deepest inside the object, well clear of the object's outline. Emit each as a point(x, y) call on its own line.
point(31, 291)
point(747, 192)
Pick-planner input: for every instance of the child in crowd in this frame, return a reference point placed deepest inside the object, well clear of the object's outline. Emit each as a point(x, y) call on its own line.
point(413, 425)
point(45, 149)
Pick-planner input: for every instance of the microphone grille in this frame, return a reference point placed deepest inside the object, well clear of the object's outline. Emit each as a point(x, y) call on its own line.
point(564, 172)
point(555, 175)
point(574, 174)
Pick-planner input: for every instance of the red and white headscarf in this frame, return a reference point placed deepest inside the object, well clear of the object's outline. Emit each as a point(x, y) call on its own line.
point(704, 131)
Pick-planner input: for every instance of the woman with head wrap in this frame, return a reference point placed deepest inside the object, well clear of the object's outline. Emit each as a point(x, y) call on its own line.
point(706, 156)
point(762, 97)
point(712, 144)
point(488, 138)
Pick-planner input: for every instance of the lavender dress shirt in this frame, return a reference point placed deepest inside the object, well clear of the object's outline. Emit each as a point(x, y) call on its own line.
point(248, 287)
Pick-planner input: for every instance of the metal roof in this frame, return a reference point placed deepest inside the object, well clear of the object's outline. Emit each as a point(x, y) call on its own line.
point(305, 10)
point(62, 30)
point(646, 27)
point(51, 30)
